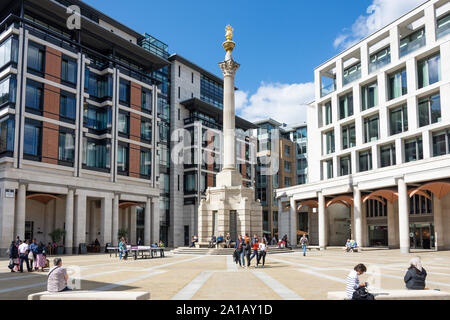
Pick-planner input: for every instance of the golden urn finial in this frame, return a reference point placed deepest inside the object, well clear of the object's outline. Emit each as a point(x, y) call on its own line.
point(229, 44)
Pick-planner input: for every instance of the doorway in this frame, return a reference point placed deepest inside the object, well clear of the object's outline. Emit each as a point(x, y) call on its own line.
point(421, 236)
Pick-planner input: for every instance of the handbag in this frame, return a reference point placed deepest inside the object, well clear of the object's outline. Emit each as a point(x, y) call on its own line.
point(362, 294)
point(30, 255)
point(11, 264)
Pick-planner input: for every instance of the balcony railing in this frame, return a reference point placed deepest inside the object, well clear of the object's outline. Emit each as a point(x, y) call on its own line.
point(328, 89)
point(412, 43)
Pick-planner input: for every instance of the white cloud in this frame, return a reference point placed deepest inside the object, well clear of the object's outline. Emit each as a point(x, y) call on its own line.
point(285, 103)
point(379, 14)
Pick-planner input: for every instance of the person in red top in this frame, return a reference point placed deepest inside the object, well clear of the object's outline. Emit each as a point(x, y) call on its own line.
point(255, 247)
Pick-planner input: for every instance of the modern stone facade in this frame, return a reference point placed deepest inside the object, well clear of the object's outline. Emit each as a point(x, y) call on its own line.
point(381, 116)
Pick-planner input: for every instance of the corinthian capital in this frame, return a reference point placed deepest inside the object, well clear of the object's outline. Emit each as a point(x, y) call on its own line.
point(229, 67)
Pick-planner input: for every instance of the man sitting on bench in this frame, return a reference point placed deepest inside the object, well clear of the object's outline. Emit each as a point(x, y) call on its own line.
point(212, 242)
point(219, 240)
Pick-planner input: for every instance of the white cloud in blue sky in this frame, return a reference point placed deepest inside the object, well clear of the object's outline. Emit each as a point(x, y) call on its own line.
point(379, 14)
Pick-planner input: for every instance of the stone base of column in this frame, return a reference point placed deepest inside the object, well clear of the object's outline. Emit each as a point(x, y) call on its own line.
point(228, 177)
point(404, 250)
point(323, 248)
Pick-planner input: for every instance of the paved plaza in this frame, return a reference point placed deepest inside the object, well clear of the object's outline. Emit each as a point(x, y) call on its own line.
point(285, 276)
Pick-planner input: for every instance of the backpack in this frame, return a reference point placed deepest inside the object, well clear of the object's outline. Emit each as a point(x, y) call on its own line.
point(362, 294)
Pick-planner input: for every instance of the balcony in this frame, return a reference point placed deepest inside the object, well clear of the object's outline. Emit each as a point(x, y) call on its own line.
point(325, 90)
point(352, 73)
point(412, 42)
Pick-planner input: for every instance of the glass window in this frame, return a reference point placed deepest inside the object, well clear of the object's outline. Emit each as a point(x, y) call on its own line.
point(346, 106)
point(397, 84)
point(146, 130)
point(34, 95)
point(32, 139)
point(123, 120)
point(380, 59)
point(287, 166)
point(35, 59)
point(348, 136)
point(69, 70)
point(387, 155)
point(67, 107)
point(287, 151)
point(429, 70)
point(66, 146)
point(329, 168)
point(9, 50)
point(352, 73)
point(97, 118)
point(211, 91)
point(345, 165)
point(429, 110)
point(412, 42)
point(287, 181)
point(365, 161)
point(329, 137)
point(369, 96)
point(413, 149)
point(96, 153)
point(441, 143)
point(124, 92)
point(147, 100)
point(302, 164)
point(99, 87)
point(443, 26)
point(145, 163)
point(371, 128)
point(122, 158)
point(8, 91)
point(190, 182)
point(7, 135)
point(328, 115)
point(398, 119)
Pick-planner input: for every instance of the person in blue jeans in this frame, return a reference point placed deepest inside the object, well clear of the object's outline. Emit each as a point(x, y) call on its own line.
point(304, 243)
point(239, 246)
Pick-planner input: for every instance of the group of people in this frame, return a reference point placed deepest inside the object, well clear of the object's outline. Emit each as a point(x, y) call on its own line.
point(250, 248)
point(123, 247)
point(351, 246)
point(33, 254)
point(215, 241)
point(414, 278)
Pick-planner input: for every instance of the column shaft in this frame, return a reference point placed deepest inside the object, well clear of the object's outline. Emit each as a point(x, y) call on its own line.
point(19, 229)
point(115, 220)
point(80, 221)
point(133, 216)
point(148, 222)
point(403, 214)
point(357, 215)
point(292, 222)
point(69, 222)
point(155, 220)
point(106, 220)
point(438, 223)
point(322, 222)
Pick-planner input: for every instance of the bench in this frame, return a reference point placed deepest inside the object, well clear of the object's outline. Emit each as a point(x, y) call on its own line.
point(138, 251)
point(90, 295)
point(404, 294)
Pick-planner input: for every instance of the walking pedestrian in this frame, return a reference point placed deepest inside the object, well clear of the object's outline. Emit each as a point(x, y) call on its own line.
point(13, 257)
point(40, 258)
point(304, 243)
point(255, 247)
point(247, 251)
point(262, 252)
point(23, 255)
point(239, 247)
point(123, 250)
point(32, 256)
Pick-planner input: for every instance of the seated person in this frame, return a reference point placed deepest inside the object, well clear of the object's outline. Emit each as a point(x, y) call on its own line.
point(348, 245)
point(212, 241)
point(219, 239)
point(97, 243)
point(161, 244)
point(57, 278)
point(354, 246)
point(228, 241)
point(154, 245)
point(416, 275)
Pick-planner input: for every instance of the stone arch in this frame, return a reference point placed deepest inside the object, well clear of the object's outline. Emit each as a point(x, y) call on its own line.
point(388, 194)
point(438, 188)
point(344, 199)
point(43, 197)
point(308, 203)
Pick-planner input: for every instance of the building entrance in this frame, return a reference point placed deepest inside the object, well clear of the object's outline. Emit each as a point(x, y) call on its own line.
point(378, 236)
point(421, 236)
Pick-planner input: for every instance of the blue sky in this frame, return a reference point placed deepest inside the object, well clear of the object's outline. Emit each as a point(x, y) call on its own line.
point(279, 43)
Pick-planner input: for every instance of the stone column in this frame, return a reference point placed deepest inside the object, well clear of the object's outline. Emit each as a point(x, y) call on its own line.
point(403, 214)
point(133, 216)
point(49, 223)
point(155, 220)
point(148, 222)
point(115, 220)
point(7, 210)
point(391, 225)
point(106, 220)
point(69, 222)
point(438, 223)
point(80, 221)
point(322, 222)
point(357, 215)
point(92, 229)
point(292, 222)
point(19, 229)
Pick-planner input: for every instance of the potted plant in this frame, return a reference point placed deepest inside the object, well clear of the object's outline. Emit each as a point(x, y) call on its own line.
point(57, 235)
point(122, 233)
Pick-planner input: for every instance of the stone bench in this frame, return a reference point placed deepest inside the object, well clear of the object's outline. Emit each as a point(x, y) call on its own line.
point(90, 295)
point(397, 295)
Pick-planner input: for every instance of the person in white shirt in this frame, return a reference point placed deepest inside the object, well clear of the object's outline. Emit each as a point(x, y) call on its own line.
point(23, 255)
point(352, 283)
point(262, 252)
